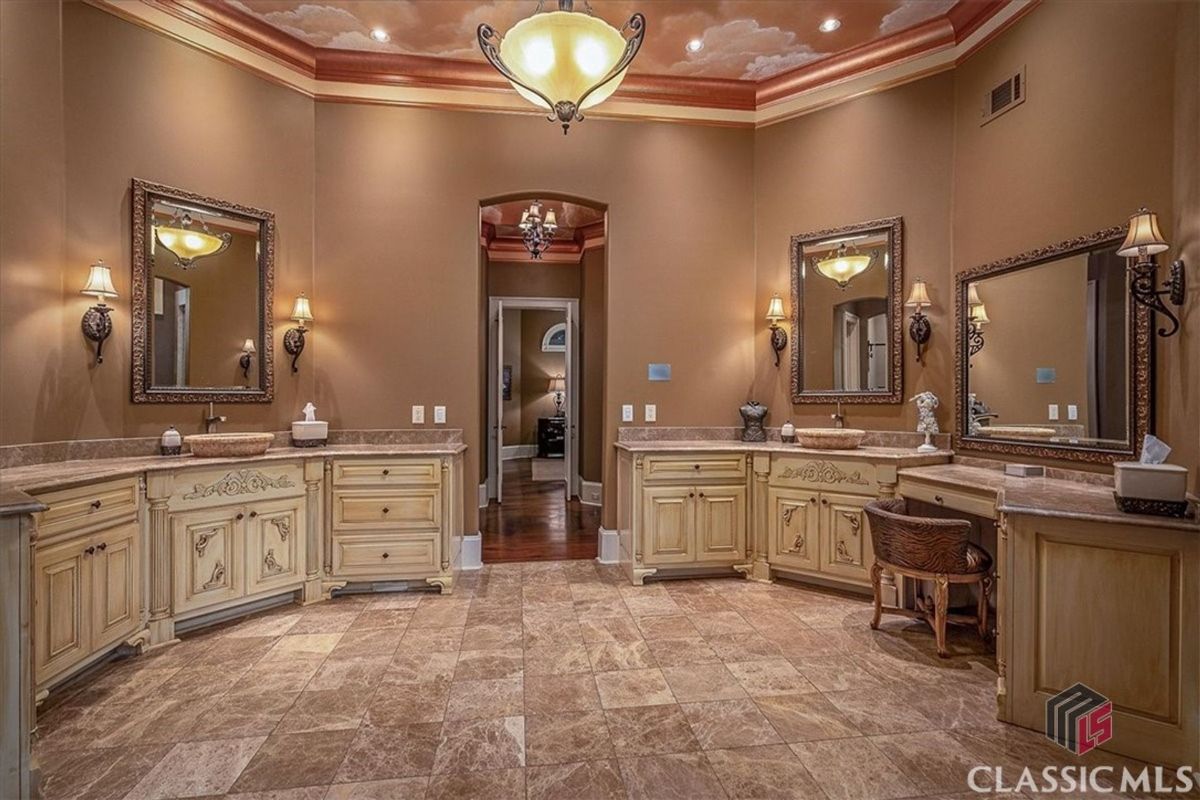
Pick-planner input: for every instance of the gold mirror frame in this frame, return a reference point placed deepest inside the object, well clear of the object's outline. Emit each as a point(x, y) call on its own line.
point(895, 391)
point(1139, 355)
point(145, 194)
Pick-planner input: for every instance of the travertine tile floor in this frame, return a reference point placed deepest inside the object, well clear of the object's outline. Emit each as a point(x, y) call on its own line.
point(542, 680)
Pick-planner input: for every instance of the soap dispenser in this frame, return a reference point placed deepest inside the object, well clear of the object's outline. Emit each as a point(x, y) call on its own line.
point(170, 443)
point(788, 432)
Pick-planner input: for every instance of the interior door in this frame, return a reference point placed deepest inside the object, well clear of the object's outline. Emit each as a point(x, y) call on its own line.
point(877, 364)
point(498, 404)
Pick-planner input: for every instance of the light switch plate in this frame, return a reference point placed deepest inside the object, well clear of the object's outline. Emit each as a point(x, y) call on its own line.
point(439, 415)
point(418, 416)
point(1054, 411)
point(1072, 412)
point(651, 412)
point(627, 413)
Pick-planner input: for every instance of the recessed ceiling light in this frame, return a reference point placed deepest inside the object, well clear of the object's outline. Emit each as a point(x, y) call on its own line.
point(380, 35)
point(695, 45)
point(830, 25)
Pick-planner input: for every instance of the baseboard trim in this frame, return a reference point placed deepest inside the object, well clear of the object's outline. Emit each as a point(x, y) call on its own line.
point(472, 552)
point(609, 547)
point(482, 498)
point(511, 451)
point(590, 492)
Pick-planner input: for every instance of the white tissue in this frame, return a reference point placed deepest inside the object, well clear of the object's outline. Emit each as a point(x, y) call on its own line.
point(1154, 450)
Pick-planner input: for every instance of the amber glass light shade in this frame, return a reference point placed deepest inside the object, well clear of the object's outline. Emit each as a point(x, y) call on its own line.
point(1144, 237)
point(918, 297)
point(562, 54)
point(189, 243)
point(843, 266)
point(99, 282)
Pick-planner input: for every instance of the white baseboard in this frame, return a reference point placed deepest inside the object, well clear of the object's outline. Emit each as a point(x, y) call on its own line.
point(482, 499)
point(609, 547)
point(590, 493)
point(472, 552)
point(511, 451)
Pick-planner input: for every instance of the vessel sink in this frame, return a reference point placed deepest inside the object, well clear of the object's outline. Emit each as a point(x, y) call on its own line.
point(830, 438)
point(229, 445)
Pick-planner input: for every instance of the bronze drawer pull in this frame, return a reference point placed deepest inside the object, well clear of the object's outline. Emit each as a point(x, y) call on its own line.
point(937, 498)
point(695, 466)
point(89, 551)
point(824, 501)
point(691, 494)
point(386, 471)
point(240, 516)
point(385, 555)
point(386, 509)
point(253, 514)
point(702, 494)
point(96, 504)
point(102, 546)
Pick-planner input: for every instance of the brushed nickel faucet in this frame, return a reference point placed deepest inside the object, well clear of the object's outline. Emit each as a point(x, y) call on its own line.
point(212, 420)
point(839, 419)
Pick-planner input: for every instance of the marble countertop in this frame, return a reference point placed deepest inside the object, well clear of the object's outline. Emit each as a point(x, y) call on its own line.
point(907, 455)
point(19, 481)
point(1043, 497)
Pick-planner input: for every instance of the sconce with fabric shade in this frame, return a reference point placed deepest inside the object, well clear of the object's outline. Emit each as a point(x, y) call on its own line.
point(558, 386)
point(775, 315)
point(248, 351)
point(919, 329)
point(1143, 242)
point(96, 323)
point(976, 318)
point(293, 339)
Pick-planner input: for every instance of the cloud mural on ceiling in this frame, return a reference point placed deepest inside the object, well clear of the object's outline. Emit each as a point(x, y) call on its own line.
point(743, 39)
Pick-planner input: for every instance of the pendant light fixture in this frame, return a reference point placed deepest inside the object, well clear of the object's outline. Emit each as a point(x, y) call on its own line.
point(844, 265)
point(537, 232)
point(188, 241)
point(564, 60)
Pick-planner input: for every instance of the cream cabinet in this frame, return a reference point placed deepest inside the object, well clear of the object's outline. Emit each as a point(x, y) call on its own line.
point(821, 533)
point(274, 545)
point(794, 538)
point(720, 522)
point(87, 575)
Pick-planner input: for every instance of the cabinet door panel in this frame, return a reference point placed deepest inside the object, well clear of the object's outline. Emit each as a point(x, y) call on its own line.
point(61, 624)
point(720, 522)
point(208, 548)
point(274, 545)
point(116, 583)
point(845, 539)
point(667, 515)
point(794, 524)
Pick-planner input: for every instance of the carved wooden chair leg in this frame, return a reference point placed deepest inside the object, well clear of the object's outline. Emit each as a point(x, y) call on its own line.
point(941, 604)
point(985, 592)
point(876, 572)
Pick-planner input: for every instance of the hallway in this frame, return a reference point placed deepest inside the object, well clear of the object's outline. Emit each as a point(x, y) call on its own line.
point(535, 523)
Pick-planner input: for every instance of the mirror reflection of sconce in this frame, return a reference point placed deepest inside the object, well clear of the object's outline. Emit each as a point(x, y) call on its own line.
point(1145, 241)
point(248, 352)
point(558, 385)
point(96, 324)
point(779, 337)
point(919, 329)
point(293, 340)
point(976, 318)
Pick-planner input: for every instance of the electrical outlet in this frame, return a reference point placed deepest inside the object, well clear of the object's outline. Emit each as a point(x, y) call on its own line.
point(1072, 412)
point(627, 413)
point(1054, 411)
point(651, 412)
point(418, 416)
point(439, 415)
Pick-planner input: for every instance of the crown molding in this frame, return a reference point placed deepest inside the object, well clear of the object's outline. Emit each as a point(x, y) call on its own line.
point(351, 76)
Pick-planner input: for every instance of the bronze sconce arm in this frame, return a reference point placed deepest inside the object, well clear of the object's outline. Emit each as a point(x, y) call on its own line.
point(779, 337)
point(1144, 241)
point(97, 324)
point(293, 339)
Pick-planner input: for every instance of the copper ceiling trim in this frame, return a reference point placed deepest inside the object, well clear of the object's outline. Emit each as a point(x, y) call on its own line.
point(416, 71)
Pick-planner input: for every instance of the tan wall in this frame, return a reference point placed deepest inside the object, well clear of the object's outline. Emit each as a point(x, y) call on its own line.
point(512, 358)
point(537, 368)
point(593, 329)
point(888, 154)
point(532, 279)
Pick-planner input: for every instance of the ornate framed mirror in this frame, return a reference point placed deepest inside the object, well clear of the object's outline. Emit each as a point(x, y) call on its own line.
point(203, 276)
point(846, 313)
point(1052, 359)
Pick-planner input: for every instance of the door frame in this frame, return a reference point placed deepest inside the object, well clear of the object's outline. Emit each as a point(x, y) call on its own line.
point(495, 343)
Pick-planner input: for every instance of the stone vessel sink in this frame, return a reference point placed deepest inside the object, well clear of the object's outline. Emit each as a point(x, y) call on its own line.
point(229, 445)
point(830, 438)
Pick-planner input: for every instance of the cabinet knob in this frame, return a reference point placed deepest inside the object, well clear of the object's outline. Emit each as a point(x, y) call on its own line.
point(691, 494)
point(102, 546)
point(240, 516)
point(937, 498)
point(812, 499)
point(89, 550)
point(253, 514)
point(96, 504)
point(386, 509)
point(385, 555)
point(695, 466)
point(824, 501)
point(702, 494)
point(386, 471)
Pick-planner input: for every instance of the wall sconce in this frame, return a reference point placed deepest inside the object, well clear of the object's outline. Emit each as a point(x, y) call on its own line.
point(779, 337)
point(919, 329)
point(96, 324)
point(1143, 242)
point(248, 352)
point(293, 340)
point(558, 385)
point(977, 318)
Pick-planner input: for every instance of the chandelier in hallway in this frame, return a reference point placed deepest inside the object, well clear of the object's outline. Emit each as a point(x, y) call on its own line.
point(536, 231)
point(564, 60)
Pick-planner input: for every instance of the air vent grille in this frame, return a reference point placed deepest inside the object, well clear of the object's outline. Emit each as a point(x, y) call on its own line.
point(1005, 96)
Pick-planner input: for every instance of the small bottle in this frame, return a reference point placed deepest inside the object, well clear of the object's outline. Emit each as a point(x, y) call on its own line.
point(171, 443)
point(788, 432)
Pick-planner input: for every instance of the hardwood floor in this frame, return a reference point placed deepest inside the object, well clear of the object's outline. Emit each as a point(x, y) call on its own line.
point(535, 522)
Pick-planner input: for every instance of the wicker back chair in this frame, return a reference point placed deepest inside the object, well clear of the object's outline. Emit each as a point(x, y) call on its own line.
point(927, 548)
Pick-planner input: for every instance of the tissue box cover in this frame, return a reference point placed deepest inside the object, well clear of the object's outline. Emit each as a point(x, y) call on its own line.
point(306, 431)
point(1151, 481)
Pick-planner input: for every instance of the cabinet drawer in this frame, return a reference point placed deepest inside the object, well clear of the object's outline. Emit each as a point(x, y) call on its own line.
point(983, 506)
point(707, 466)
point(205, 488)
point(387, 472)
point(385, 555)
point(397, 509)
point(85, 506)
